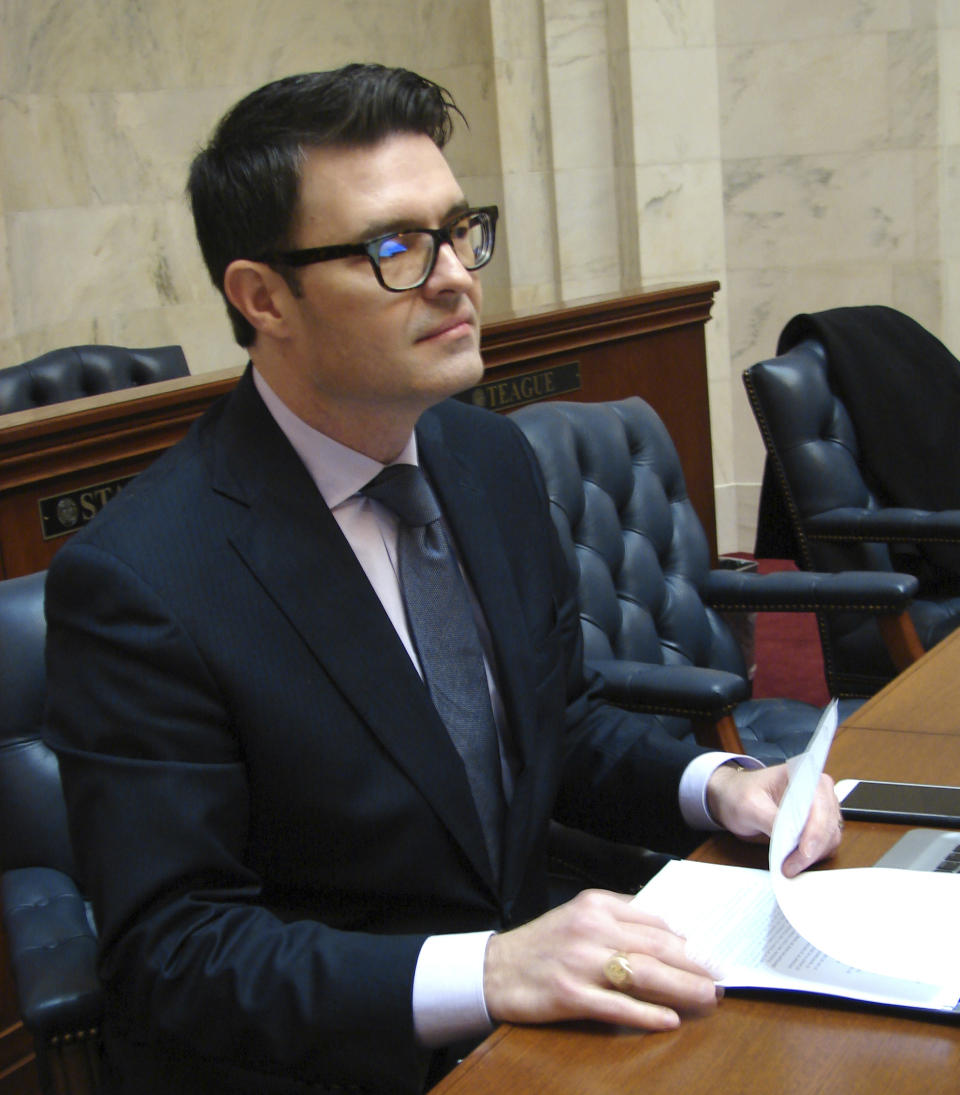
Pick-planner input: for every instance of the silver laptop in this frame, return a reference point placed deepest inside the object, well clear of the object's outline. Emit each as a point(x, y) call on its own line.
point(925, 850)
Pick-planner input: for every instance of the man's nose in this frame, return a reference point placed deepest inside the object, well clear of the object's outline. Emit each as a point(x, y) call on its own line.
point(448, 272)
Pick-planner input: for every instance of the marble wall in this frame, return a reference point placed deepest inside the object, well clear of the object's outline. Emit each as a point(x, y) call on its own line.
point(839, 129)
point(103, 104)
point(804, 155)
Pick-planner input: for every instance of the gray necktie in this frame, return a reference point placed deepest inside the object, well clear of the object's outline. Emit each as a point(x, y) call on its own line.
point(445, 635)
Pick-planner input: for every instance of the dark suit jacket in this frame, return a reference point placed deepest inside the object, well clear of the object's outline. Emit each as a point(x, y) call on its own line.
point(267, 812)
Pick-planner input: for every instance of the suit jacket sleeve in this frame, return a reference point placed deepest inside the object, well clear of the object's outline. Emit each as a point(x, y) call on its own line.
point(192, 939)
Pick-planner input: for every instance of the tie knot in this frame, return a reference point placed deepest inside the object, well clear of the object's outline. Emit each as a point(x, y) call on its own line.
point(404, 489)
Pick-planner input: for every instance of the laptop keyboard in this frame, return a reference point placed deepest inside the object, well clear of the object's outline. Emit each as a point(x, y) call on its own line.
point(950, 862)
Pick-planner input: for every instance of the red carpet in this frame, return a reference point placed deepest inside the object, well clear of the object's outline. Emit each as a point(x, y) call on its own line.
point(788, 654)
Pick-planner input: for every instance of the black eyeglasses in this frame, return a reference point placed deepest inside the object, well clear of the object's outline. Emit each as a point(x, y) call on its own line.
point(404, 260)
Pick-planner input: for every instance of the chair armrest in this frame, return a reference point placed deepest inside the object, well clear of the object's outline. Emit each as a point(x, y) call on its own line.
point(892, 525)
point(809, 591)
point(53, 952)
point(686, 691)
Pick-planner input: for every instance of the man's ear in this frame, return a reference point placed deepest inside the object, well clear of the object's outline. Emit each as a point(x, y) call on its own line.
point(260, 293)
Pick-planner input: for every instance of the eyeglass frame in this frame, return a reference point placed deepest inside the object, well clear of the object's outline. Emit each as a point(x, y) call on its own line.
point(306, 256)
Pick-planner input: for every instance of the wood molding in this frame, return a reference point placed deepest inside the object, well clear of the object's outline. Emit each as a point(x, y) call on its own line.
point(549, 330)
point(648, 343)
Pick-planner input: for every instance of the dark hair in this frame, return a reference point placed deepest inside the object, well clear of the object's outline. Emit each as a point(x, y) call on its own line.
point(244, 186)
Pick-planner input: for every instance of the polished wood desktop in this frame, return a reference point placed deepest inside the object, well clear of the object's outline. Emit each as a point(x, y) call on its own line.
point(774, 1042)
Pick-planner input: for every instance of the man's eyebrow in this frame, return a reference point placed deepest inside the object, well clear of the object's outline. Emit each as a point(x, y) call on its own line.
point(406, 224)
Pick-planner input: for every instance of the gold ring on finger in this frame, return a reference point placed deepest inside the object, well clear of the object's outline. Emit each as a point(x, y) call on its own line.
point(617, 970)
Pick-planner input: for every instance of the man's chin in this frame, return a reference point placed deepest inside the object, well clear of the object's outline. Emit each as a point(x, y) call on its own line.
point(459, 376)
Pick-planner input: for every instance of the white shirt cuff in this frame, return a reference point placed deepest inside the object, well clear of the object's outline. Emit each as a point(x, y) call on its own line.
point(693, 786)
point(448, 1003)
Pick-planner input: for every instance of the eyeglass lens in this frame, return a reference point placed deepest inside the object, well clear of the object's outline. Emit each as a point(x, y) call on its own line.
point(406, 258)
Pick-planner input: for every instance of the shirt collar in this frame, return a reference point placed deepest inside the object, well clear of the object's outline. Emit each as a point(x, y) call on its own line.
point(338, 471)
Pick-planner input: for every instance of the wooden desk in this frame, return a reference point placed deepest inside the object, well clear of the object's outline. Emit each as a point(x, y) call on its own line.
point(772, 1042)
point(60, 464)
point(924, 699)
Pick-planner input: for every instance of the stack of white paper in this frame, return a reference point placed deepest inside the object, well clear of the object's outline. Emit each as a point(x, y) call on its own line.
point(876, 934)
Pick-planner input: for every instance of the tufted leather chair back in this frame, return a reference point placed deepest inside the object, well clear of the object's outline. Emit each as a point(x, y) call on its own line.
point(33, 820)
point(49, 929)
point(78, 371)
point(814, 466)
point(619, 502)
point(815, 453)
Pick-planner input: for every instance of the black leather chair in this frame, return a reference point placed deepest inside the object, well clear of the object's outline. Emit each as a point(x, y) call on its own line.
point(78, 371)
point(821, 507)
point(650, 604)
point(48, 926)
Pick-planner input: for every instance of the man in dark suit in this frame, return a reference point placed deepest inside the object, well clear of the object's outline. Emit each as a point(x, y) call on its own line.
point(294, 887)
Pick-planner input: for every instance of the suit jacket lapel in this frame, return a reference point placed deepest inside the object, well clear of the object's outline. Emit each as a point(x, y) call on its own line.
point(293, 545)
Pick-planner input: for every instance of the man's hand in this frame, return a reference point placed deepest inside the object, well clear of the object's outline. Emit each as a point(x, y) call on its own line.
point(745, 803)
point(552, 968)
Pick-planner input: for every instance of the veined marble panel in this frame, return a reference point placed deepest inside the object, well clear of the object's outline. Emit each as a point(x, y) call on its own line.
point(913, 89)
point(96, 262)
point(675, 105)
point(669, 24)
point(680, 218)
point(720, 395)
point(580, 112)
point(516, 29)
point(718, 327)
point(762, 301)
point(524, 116)
point(458, 33)
point(578, 287)
point(474, 150)
point(818, 95)
point(588, 231)
point(950, 332)
point(97, 45)
point(725, 507)
point(743, 22)
point(574, 28)
point(497, 299)
point(924, 182)
point(949, 98)
point(109, 45)
point(918, 291)
point(203, 331)
point(11, 352)
point(7, 328)
point(526, 297)
point(44, 153)
point(80, 331)
point(747, 511)
point(804, 210)
point(949, 178)
point(103, 148)
point(527, 221)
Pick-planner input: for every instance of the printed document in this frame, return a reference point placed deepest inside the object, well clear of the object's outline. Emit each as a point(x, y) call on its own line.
point(883, 935)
